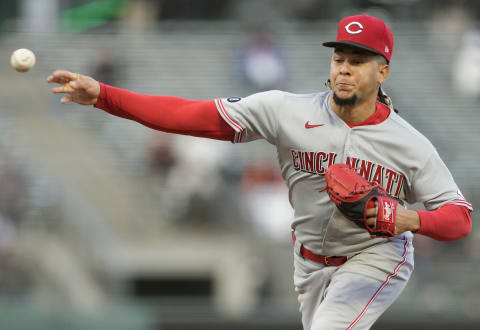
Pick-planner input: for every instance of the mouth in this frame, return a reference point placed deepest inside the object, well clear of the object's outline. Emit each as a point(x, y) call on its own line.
point(343, 86)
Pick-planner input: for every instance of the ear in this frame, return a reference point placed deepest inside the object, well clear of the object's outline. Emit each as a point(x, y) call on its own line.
point(383, 71)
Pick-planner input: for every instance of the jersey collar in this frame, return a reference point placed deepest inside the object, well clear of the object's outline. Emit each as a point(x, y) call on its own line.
point(381, 114)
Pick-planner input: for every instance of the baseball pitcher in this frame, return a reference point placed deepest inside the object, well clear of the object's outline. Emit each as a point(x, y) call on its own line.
point(350, 163)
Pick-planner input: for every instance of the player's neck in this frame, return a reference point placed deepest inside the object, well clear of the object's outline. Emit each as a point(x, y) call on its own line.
point(354, 114)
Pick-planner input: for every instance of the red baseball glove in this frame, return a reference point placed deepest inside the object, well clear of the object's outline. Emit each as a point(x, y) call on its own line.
point(353, 195)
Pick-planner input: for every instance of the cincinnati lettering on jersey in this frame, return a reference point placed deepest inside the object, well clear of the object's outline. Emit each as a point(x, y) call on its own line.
point(318, 162)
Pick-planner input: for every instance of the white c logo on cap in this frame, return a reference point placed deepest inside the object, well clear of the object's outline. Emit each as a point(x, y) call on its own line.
point(360, 28)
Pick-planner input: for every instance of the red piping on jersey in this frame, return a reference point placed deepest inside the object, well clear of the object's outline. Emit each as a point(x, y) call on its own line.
point(381, 114)
point(448, 223)
point(395, 272)
point(166, 113)
point(233, 122)
point(461, 202)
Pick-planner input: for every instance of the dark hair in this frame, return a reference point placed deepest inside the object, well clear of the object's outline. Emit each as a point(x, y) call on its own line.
point(385, 99)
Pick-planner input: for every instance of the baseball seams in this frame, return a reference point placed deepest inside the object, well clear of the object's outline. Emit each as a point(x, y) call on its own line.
point(384, 284)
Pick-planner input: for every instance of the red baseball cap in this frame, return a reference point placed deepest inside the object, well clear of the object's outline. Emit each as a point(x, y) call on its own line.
point(365, 32)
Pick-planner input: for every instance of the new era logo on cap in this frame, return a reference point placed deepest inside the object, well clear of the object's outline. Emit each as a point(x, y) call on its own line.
point(366, 32)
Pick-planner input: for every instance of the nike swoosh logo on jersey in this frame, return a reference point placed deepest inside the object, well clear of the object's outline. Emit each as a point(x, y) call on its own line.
point(308, 125)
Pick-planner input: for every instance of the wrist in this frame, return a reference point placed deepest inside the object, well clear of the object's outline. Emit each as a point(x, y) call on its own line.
point(415, 223)
point(406, 220)
point(99, 102)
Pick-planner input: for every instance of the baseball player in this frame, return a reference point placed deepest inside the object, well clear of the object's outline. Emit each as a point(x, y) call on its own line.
point(344, 278)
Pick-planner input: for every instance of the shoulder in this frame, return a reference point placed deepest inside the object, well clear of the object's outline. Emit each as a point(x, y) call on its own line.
point(283, 95)
point(405, 127)
point(403, 130)
point(280, 99)
point(306, 98)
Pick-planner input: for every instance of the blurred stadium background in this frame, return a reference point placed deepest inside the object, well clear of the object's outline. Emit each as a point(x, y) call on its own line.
point(105, 224)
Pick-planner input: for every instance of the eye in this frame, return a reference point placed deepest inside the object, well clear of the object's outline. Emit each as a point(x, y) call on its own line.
point(356, 61)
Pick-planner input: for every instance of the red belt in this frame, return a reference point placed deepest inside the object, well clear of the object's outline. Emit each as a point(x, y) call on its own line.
point(326, 260)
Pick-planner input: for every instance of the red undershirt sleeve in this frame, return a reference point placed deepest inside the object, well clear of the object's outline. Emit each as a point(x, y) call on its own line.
point(448, 223)
point(166, 113)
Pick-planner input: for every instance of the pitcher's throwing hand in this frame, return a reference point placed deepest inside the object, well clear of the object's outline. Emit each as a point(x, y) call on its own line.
point(80, 89)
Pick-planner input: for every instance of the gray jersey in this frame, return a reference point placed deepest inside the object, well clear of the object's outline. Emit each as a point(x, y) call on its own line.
point(309, 136)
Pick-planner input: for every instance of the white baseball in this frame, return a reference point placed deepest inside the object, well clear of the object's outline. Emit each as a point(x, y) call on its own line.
point(22, 60)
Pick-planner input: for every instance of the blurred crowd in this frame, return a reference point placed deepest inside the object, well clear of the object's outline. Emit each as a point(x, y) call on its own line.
point(15, 272)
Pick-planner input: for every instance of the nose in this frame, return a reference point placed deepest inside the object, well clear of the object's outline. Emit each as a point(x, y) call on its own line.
point(345, 68)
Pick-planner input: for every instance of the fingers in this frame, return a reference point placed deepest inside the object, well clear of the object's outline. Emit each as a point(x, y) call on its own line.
point(67, 88)
point(62, 77)
point(371, 212)
point(371, 222)
point(67, 79)
point(371, 215)
point(65, 99)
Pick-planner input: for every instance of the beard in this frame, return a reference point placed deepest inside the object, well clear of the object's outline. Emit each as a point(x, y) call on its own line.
point(345, 102)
